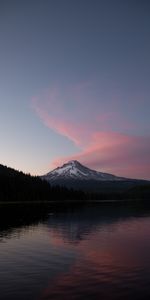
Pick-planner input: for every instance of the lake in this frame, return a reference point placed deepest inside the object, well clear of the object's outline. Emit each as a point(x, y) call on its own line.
point(86, 252)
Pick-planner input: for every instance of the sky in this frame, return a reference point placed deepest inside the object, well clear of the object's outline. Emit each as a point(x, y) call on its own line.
point(75, 84)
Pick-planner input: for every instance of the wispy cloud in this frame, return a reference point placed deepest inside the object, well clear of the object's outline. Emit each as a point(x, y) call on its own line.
point(76, 116)
point(116, 153)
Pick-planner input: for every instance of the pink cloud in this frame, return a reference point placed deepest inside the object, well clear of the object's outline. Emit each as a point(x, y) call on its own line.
point(116, 153)
point(90, 129)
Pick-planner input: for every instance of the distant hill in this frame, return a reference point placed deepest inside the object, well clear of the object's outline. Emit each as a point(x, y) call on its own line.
point(17, 186)
point(140, 192)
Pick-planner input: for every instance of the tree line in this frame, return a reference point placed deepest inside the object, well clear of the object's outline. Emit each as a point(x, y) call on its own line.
point(16, 186)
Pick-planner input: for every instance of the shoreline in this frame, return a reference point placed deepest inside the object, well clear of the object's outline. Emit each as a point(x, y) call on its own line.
point(73, 201)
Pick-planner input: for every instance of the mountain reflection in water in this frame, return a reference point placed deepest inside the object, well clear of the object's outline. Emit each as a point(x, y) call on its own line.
point(87, 252)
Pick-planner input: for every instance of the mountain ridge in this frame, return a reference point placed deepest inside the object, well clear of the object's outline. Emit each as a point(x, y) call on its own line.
point(74, 170)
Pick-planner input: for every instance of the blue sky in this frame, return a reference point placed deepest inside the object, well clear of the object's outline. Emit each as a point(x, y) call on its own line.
point(73, 75)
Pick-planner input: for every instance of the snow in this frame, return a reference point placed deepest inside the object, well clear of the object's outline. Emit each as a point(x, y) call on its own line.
point(74, 170)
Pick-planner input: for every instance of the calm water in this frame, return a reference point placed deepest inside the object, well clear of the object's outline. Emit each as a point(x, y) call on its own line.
point(100, 252)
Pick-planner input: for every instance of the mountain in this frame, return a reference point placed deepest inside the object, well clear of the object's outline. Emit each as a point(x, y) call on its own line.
point(73, 170)
point(74, 175)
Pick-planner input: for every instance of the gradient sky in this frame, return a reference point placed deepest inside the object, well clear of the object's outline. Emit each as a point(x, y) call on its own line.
point(75, 84)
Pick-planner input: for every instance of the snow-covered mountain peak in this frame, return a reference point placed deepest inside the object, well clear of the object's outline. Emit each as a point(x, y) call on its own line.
point(73, 162)
point(74, 170)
